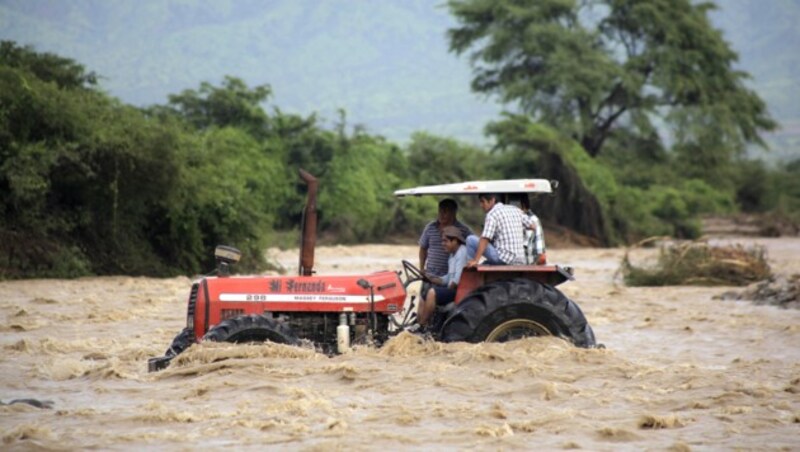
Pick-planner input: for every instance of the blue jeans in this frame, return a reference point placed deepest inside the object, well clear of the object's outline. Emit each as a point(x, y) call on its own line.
point(490, 253)
point(444, 295)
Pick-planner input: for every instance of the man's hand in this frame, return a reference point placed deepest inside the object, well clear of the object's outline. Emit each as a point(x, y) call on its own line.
point(482, 244)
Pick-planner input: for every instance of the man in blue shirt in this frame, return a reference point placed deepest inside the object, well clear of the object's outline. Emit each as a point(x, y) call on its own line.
point(444, 290)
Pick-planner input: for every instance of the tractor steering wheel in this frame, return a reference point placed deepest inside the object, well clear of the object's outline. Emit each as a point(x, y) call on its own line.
point(413, 273)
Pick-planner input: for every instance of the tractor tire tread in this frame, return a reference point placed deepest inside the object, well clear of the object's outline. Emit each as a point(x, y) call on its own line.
point(181, 342)
point(497, 302)
point(251, 328)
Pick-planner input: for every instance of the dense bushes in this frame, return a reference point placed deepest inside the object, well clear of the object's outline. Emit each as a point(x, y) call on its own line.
point(93, 186)
point(356, 199)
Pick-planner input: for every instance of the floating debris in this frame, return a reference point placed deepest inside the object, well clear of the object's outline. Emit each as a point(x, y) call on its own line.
point(698, 263)
point(44, 404)
point(783, 291)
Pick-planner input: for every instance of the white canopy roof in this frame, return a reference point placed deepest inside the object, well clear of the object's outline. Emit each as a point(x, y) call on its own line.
point(481, 186)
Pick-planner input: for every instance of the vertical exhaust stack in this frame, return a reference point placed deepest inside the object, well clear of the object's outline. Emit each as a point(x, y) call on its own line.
point(308, 239)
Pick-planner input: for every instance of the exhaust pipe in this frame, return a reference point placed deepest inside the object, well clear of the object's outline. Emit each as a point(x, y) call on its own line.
point(308, 239)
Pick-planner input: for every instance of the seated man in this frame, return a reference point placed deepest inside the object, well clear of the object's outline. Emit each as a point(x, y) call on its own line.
point(444, 290)
point(502, 241)
point(534, 242)
point(432, 255)
point(534, 236)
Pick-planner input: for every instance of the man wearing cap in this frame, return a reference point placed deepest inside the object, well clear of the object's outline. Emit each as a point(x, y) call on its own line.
point(432, 255)
point(444, 290)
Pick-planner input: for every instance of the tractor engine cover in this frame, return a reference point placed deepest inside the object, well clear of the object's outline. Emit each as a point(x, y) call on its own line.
point(221, 298)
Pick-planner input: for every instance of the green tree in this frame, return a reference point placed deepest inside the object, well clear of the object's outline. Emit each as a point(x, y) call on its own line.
point(590, 67)
point(47, 67)
point(46, 106)
point(356, 201)
point(89, 185)
point(80, 175)
point(232, 104)
point(229, 191)
point(587, 187)
point(438, 160)
point(590, 200)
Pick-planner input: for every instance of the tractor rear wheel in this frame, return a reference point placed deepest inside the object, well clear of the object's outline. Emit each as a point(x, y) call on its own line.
point(506, 310)
point(251, 328)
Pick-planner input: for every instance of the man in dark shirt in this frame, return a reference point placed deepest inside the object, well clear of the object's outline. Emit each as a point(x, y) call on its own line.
point(432, 255)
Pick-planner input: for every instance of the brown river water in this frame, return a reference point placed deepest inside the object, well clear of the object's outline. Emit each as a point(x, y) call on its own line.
point(681, 371)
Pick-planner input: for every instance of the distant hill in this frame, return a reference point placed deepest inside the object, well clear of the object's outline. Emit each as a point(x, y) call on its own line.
point(767, 37)
point(385, 62)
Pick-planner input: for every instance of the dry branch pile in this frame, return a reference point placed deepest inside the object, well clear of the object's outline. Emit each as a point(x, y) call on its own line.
point(698, 263)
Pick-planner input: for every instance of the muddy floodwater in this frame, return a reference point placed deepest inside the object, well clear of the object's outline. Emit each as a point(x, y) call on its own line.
point(681, 371)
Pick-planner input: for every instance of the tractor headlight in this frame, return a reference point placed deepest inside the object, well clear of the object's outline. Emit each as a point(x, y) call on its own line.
point(226, 256)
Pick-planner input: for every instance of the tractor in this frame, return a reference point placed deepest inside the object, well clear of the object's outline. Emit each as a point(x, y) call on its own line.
point(493, 303)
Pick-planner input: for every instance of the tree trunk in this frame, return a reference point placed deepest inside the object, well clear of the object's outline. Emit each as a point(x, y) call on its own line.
point(573, 205)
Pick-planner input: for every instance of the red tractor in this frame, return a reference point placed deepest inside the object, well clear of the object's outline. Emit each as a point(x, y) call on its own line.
point(492, 303)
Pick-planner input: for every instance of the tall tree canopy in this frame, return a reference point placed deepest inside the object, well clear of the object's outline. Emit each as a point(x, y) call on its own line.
point(46, 66)
point(593, 67)
point(233, 104)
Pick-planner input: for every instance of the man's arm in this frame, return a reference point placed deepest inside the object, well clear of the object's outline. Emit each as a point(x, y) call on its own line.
point(460, 263)
point(529, 221)
point(424, 243)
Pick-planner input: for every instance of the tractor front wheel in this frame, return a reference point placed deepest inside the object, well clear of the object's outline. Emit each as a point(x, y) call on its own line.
point(251, 328)
point(181, 342)
point(506, 310)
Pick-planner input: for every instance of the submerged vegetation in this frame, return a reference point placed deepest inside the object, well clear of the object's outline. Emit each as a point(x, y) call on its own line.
point(89, 185)
point(698, 263)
